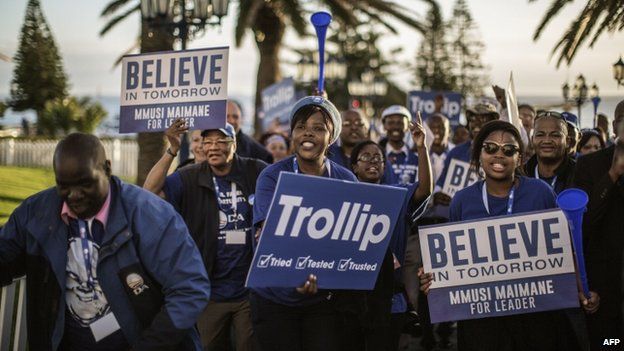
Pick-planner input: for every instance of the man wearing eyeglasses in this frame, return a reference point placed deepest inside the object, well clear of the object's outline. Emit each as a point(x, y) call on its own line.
point(551, 162)
point(355, 129)
point(215, 198)
point(601, 176)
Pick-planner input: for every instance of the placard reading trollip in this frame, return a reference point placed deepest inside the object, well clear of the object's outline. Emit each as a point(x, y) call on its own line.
point(337, 230)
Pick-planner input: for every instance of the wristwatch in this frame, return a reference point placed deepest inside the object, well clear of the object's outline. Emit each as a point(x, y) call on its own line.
point(171, 152)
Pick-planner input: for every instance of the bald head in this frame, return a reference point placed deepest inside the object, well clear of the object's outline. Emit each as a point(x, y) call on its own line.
point(82, 147)
point(82, 173)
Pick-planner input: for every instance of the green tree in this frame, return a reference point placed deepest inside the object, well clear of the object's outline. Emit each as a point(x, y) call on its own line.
point(465, 51)
point(38, 76)
point(70, 114)
point(434, 67)
point(3, 108)
point(596, 17)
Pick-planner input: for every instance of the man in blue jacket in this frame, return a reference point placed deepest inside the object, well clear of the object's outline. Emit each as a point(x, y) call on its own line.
point(108, 265)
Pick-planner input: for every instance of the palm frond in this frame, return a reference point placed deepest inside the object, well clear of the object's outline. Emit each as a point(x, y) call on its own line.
point(394, 10)
point(607, 22)
point(341, 10)
point(132, 49)
point(110, 24)
point(376, 17)
point(293, 10)
point(113, 6)
point(554, 9)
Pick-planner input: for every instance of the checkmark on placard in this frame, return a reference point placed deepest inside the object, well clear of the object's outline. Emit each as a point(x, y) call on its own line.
point(302, 262)
point(263, 261)
point(343, 264)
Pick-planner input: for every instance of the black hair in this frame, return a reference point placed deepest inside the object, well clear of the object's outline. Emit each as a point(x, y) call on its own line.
point(355, 153)
point(528, 107)
point(586, 134)
point(264, 137)
point(304, 113)
point(83, 147)
point(489, 128)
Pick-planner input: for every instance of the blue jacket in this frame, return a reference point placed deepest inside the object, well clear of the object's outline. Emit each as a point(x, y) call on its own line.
point(144, 235)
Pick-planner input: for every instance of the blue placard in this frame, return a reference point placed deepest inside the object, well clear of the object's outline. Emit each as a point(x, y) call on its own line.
point(157, 88)
point(277, 100)
point(449, 104)
point(499, 266)
point(335, 229)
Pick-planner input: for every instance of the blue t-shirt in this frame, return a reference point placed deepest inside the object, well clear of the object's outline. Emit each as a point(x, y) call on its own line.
point(234, 252)
point(405, 166)
point(232, 260)
point(461, 152)
point(410, 212)
point(265, 189)
point(530, 195)
point(335, 154)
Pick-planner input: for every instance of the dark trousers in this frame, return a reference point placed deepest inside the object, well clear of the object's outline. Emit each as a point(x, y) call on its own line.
point(303, 328)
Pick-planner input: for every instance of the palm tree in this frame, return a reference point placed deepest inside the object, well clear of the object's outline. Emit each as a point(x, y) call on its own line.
point(267, 20)
point(152, 38)
point(594, 19)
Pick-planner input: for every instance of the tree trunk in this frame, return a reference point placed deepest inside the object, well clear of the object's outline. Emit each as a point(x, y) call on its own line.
point(269, 30)
point(151, 145)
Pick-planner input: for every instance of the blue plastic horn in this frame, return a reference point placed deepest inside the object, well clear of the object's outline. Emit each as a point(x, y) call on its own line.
point(321, 20)
point(573, 203)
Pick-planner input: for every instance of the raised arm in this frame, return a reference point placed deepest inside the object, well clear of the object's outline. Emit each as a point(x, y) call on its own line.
point(155, 180)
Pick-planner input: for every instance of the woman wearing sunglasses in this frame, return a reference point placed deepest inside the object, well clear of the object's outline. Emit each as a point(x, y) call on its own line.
point(498, 149)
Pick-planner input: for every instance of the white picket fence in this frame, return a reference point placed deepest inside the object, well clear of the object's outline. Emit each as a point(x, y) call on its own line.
point(13, 316)
point(38, 153)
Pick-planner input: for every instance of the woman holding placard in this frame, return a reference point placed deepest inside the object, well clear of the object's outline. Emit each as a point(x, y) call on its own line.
point(498, 150)
point(303, 318)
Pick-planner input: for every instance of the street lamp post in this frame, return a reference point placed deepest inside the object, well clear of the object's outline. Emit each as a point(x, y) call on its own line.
point(594, 94)
point(184, 17)
point(618, 71)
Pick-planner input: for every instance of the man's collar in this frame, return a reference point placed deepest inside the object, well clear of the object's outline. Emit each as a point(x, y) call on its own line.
point(101, 216)
point(390, 149)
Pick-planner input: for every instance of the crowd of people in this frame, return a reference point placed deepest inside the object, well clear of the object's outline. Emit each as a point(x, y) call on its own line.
point(111, 266)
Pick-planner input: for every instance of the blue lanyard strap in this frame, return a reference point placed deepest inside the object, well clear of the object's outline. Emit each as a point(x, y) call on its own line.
point(86, 253)
point(552, 183)
point(327, 166)
point(484, 196)
point(234, 205)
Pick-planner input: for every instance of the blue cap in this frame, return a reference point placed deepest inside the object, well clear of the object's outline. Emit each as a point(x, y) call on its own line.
point(228, 131)
point(571, 119)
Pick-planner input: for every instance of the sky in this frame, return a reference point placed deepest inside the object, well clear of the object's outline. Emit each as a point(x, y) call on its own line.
point(506, 28)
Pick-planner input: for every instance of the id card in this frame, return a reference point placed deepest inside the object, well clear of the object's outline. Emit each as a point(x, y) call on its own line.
point(235, 237)
point(104, 326)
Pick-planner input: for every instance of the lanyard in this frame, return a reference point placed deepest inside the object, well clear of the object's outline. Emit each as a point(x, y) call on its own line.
point(234, 205)
point(86, 254)
point(509, 202)
point(552, 184)
point(327, 165)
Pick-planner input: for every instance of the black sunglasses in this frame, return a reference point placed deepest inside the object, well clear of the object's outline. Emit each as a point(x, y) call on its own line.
point(491, 148)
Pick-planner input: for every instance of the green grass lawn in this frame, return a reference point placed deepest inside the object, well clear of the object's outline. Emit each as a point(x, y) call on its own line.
point(17, 183)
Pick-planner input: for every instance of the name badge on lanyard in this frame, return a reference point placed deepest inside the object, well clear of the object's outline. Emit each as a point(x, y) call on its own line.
point(484, 197)
point(236, 236)
point(552, 183)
